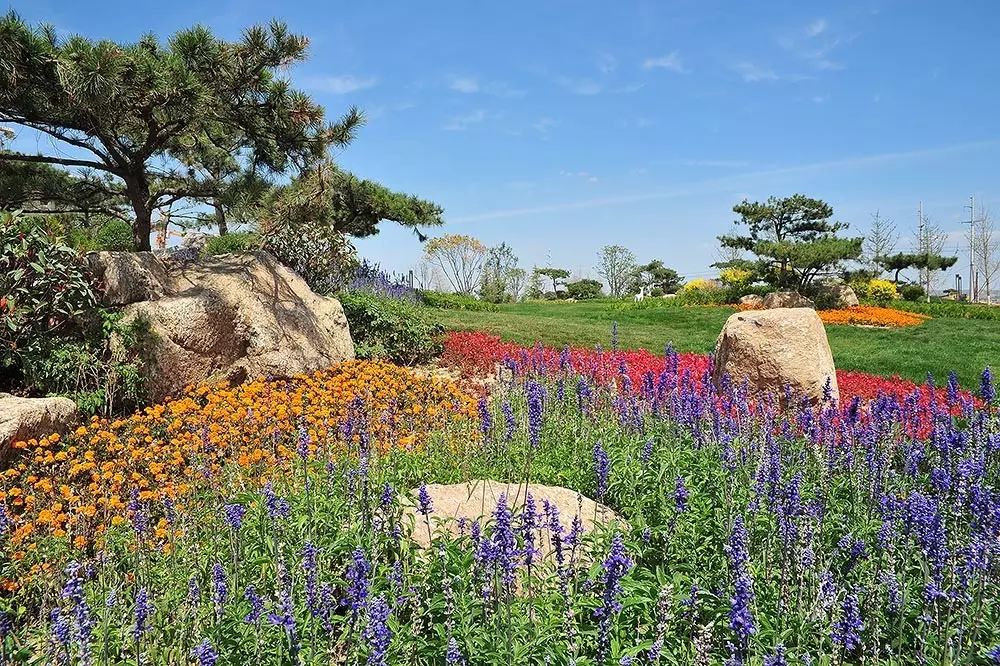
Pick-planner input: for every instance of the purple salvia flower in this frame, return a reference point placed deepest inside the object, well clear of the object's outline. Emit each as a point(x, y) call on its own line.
point(277, 507)
point(143, 609)
point(424, 504)
point(741, 619)
point(613, 570)
point(310, 556)
point(504, 542)
point(233, 514)
point(204, 653)
point(681, 495)
point(509, 423)
point(220, 588)
point(485, 419)
point(358, 573)
point(453, 656)
point(602, 470)
point(614, 336)
point(987, 390)
point(256, 605)
point(60, 629)
point(647, 452)
point(847, 630)
point(536, 402)
point(378, 633)
point(194, 591)
point(778, 658)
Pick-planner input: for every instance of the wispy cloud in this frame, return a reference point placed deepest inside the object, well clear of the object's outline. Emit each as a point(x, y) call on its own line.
point(727, 183)
point(339, 85)
point(816, 28)
point(466, 120)
point(544, 124)
point(814, 44)
point(585, 175)
point(471, 85)
point(588, 86)
point(606, 63)
point(752, 72)
point(672, 62)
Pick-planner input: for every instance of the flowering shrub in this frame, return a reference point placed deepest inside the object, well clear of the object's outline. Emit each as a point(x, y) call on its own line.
point(881, 291)
point(69, 492)
point(370, 278)
point(868, 315)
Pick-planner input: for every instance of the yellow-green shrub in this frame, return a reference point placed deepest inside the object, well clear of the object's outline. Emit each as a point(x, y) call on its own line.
point(882, 291)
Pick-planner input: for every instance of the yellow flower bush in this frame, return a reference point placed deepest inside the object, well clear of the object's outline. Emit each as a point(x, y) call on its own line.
point(882, 291)
point(74, 488)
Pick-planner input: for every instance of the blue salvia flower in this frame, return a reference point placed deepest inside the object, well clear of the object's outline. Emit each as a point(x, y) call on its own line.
point(358, 573)
point(536, 401)
point(6, 524)
point(564, 359)
point(952, 388)
point(614, 336)
point(741, 619)
point(137, 513)
point(987, 390)
point(385, 500)
point(626, 660)
point(504, 542)
point(60, 629)
point(583, 394)
point(204, 653)
point(485, 419)
point(681, 495)
point(82, 619)
point(310, 556)
point(220, 588)
point(378, 633)
point(778, 658)
point(256, 605)
point(509, 423)
point(613, 570)
point(529, 523)
point(233, 514)
point(194, 591)
point(302, 443)
point(6, 626)
point(454, 656)
point(277, 507)
point(602, 470)
point(994, 654)
point(847, 630)
point(424, 504)
point(647, 452)
point(284, 614)
point(143, 609)
point(894, 600)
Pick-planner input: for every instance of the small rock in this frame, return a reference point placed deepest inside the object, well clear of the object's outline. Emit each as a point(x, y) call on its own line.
point(752, 300)
point(22, 419)
point(786, 299)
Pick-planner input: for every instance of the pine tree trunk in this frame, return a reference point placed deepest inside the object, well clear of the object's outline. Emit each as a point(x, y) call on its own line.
point(220, 218)
point(138, 195)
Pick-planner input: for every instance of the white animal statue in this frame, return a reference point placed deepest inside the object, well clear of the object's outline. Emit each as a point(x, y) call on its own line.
point(641, 295)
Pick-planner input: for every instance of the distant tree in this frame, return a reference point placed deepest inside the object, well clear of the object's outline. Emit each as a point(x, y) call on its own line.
point(460, 258)
point(929, 255)
point(901, 261)
point(557, 275)
point(880, 242)
point(145, 113)
point(534, 286)
point(792, 238)
point(498, 274)
point(616, 265)
point(655, 275)
point(986, 248)
point(517, 279)
point(584, 289)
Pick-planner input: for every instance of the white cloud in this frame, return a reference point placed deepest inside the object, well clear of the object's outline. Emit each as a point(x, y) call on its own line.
point(465, 84)
point(584, 175)
point(464, 121)
point(606, 63)
point(340, 85)
point(752, 73)
point(672, 61)
point(815, 28)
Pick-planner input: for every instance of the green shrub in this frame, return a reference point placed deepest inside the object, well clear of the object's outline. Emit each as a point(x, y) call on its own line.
point(702, 291)
point(44, 288)
point(238, 242)
point(912, 292)
point(115, 235)
point(584, 290)
point(449, 301)
point(391, 329)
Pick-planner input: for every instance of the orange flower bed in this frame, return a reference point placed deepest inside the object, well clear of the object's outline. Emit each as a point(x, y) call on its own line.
point(869, 315)
point(73, 488)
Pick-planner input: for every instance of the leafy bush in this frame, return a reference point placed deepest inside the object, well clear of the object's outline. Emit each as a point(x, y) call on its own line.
point(238, 242)
point(450, 301)
point(115, 235)
point(862, 289)
point(912, 292)
point(389, 328)
point(702, 291)
point(583, 290)
point(102, 370)
point(326, 261)
point(882, 292)
point(44, 288)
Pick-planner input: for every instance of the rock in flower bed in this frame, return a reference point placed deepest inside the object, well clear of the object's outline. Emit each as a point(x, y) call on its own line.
point(815, 534)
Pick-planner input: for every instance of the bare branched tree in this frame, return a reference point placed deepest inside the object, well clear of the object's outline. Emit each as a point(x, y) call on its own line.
point(881, 241)
point(985, 243)
point(460, 259)
point(616, 266)
point(930, 240)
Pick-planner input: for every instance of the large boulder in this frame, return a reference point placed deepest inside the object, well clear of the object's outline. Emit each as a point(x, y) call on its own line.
point(786, 299)
point(455, 506)
point(22, 419)
point(231, 317)
point(128, 277)
point(772, 349)
point(843, 296)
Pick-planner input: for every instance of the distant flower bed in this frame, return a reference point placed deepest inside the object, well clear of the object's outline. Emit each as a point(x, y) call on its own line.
point(870, 315)
point(72, 489)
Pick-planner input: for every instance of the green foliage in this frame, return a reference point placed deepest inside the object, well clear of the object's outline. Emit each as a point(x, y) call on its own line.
point(616, 264)
point(44, 288)
point(912, 292)
point(101, 370)
point(793, 239)
point(583, 290)
point(240, 242)
point(655, 277)
point(940, 309)
point(557, 275)
point(502, 279)
point(391, 329)
point(902, 261)
point(702, 291)
point(451, 301)
point(159, 121)
point(115, 235)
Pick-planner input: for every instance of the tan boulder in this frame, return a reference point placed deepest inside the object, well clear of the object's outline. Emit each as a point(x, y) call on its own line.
point(752, 300)
point(786, 299)
point(456, 503)
point(22, 419)
point(237, 317)
point(128, 277)
point(772, 349)
point(844, 296)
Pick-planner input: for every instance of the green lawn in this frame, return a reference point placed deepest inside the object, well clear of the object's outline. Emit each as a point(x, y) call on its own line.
point(937, 346)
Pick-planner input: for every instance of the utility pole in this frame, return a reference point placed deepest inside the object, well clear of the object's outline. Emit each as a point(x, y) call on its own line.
point(973, 287)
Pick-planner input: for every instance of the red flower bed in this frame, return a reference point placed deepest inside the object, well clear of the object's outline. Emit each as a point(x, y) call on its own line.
point(477, 353)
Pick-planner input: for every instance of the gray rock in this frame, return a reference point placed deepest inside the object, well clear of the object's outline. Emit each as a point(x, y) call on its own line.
point(786, 299)
point(22, 419)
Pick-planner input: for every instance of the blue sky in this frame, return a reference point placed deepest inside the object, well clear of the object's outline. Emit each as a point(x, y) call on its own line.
point(560, 127)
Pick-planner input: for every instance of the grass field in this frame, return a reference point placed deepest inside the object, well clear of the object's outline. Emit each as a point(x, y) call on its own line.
point(937, 346)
